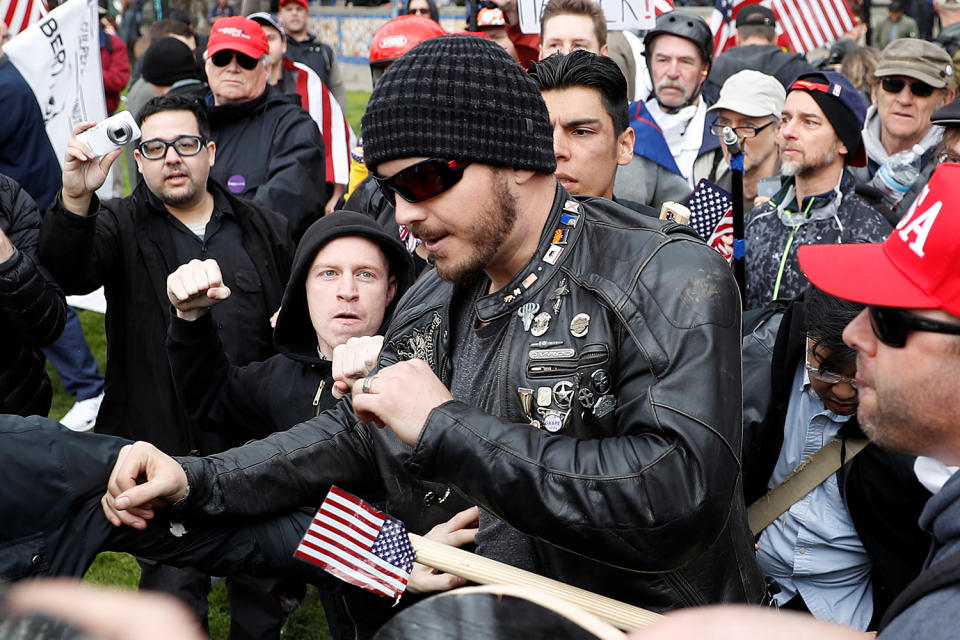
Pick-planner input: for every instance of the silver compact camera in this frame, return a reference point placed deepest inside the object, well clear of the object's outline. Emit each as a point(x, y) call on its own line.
point(110, 134)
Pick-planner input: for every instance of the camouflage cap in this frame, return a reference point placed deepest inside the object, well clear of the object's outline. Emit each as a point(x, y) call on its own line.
point(915, 58)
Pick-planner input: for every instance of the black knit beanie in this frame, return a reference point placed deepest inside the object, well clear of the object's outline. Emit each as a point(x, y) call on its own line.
point(168, 60)
point(458, 98)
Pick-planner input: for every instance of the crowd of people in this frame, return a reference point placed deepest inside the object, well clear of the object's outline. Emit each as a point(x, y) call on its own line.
point(486, 319)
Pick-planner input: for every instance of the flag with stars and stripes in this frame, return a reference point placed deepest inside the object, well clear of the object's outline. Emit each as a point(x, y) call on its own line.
point(802, 25)
point(358, 544)
point(711, 214)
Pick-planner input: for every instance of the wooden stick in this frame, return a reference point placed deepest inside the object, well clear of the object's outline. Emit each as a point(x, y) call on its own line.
point(486, 571)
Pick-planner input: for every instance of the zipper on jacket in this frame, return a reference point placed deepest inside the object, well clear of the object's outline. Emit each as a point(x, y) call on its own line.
point(316, 398)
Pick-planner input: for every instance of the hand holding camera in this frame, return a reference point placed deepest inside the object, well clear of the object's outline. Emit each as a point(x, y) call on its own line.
point(90, 154)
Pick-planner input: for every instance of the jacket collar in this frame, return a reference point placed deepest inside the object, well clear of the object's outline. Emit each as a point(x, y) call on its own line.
point(561, 232)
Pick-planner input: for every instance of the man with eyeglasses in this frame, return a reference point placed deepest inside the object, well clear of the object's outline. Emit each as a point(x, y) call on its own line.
point(270, 149)
point(751, 103)
point(818, 200)
point(549, 368)
point(176, 214)
point(912, 80)
point(844, 550)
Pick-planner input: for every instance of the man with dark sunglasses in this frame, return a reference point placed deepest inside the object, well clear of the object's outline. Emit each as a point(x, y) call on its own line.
point(908, 368)
point(570, 367)
point(176, 214)
point(269, 148)
point(913, 79)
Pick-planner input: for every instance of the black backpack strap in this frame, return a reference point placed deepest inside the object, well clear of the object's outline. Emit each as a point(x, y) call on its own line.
point(938, 575)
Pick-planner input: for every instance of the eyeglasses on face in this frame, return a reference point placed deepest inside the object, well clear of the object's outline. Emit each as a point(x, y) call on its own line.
point(892, 325)
point(827, 377)
point(946, 156)
point(185, 146)
point(892, 84)
point(419, 12)
point(742, 132)
point(222, 58)
point(421, 181)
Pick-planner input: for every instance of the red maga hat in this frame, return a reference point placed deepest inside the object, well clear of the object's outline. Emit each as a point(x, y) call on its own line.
point(238, 34)
point(916, 267)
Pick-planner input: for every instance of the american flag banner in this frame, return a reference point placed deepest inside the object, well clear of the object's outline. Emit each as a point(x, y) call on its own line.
point(358, 544)
point(711, 215)
point(662, 6)
point(20, 14)
point(809, 24)
point(802, 25)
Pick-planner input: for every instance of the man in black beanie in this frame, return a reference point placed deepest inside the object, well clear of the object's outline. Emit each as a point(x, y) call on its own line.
point(571, 368)
point(169, 65)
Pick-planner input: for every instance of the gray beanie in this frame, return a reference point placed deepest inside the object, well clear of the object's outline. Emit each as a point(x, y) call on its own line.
point(459, 98)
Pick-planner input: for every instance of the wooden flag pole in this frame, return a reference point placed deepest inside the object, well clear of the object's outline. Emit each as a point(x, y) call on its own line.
point(486, 571)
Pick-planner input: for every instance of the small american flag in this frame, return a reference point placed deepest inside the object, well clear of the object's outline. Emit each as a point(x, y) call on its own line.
point(358, 544)
point(711, 214)
point(802, 25)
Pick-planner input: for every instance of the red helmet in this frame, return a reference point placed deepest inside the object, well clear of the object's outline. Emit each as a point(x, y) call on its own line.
point(400, 35)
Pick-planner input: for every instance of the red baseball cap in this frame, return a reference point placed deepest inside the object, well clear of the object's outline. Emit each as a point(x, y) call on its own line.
point(238, 34)
point(300, 2)
point(916, 267)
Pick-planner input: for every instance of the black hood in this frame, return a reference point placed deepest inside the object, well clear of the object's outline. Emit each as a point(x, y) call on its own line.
point(295, 336)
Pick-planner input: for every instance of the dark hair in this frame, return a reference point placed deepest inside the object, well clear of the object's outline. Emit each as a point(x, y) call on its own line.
point(764, 31)
point(177, 103)
point(585, 69)
point(166, 27)
point(586, 8)
point(824, 319)
point(180, 15)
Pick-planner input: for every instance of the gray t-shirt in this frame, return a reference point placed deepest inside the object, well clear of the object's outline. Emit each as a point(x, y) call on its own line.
point(475, 349)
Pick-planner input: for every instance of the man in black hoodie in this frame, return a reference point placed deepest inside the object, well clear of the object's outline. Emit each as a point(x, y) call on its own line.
point(347, 275)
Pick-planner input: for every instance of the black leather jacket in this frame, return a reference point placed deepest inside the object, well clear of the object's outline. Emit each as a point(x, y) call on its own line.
point(641, 503)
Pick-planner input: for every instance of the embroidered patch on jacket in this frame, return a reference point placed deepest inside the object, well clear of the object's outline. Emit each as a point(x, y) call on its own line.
point(420, 343)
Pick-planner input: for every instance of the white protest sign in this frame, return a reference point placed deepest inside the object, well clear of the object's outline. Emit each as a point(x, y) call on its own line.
point(620, 14)
point(59, 57)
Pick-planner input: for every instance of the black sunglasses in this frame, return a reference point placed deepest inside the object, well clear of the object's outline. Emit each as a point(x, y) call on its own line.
point(222, 58)
point(895, 85)
point(891, 325)
point(422, 180)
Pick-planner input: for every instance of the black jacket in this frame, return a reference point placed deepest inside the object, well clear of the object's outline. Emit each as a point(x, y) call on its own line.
point(766, 58)
point(880, 489)
point(270, 150)
point(260, 398)
point(641, 503)
point(125, 245)
point(854, 219)
point(32, 308)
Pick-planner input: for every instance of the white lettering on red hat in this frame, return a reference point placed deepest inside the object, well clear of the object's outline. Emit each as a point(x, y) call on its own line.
point(233, 32)
point(919, 224)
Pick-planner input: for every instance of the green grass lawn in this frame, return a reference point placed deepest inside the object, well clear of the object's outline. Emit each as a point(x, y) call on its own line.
point(120, 570)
